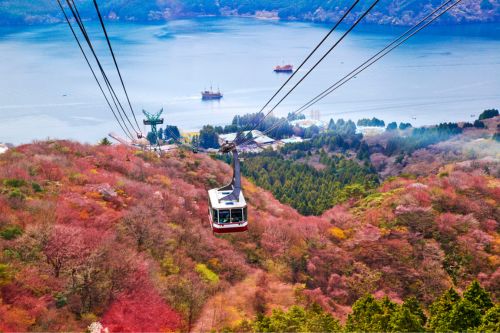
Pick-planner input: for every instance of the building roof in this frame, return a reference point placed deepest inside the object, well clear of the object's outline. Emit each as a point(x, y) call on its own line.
point(227, 137)
point(370, 130)
point(215, 195)
point(257, 135)
point(250, 149)
point(293, 139)
point(306, 123)
point(264, 139)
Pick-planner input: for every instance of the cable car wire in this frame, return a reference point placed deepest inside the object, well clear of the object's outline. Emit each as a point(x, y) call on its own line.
point(356, 73)
point(76, 15)
point(114, 97)
point(397, 42)
point(402, 39)
point(304, 61)
point(84, 31)
point(116, 63)
point(320, 60)
point(91, 69)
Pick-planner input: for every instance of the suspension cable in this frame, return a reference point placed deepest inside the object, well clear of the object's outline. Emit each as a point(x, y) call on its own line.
point(92, 70)
point(116, 63)
point(321, 59)
point(304, 61)
point(114, 97)
point(111, 90)
point(356, 73)
point(397, 42)
point(381, 55)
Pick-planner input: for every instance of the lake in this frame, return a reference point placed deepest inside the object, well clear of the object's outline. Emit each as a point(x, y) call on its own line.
point(447, 73)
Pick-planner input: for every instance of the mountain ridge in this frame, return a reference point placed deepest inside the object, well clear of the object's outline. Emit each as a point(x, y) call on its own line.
point(387, 12)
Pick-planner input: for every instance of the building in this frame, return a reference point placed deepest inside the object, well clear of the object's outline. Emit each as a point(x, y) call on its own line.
point(293, 139)
point(258, 138)
point(370, 130)
point(306, 123)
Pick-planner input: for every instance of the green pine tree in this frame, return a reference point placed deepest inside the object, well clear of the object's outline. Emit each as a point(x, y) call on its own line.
point(151, 138)
point(490, 323)
point(105, 142)
point(262, 323)
point(413, 305)
point(478, 296)
point(440, 310)
point(364, 311)
point(319, 321)
point(464, 316)
point(381, 321)
point(297, 319)
point(403, 320)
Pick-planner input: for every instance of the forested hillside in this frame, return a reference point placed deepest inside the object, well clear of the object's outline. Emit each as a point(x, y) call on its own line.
point(336, 163)
point(111, 237)
point(394, 12)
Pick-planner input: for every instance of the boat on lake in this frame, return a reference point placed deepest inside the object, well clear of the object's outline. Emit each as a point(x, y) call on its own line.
point(210, 94)
point(284, 69)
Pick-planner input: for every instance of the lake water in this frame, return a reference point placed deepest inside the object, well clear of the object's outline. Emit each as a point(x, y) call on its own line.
point(46, 89)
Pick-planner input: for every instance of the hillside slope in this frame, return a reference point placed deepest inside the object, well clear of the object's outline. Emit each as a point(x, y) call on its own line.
point(98, 233)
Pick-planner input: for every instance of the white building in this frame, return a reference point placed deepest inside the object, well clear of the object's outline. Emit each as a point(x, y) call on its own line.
point(293, 139)
point(257, 136)
point(370, 130)
point(306, 123)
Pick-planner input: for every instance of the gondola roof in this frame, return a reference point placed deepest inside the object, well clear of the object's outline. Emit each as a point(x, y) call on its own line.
point(216, 196)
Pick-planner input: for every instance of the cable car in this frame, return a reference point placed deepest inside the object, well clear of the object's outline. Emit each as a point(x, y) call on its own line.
point(227, 208)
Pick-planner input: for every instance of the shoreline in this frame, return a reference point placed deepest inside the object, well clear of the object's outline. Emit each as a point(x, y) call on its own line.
point(326, 18)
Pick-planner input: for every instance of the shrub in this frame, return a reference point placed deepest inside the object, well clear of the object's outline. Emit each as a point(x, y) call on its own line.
point(207, 274)
point(14, 182)
point(168, 266)
point(5, 274)
point(36, 187)
point(11, 232)
point(16, 194)
point(337, 233)
point(60, 300)
point(105, 142)
point(479, 124)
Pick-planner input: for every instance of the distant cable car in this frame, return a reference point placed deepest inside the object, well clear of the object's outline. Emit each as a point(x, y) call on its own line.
point(227, 206)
